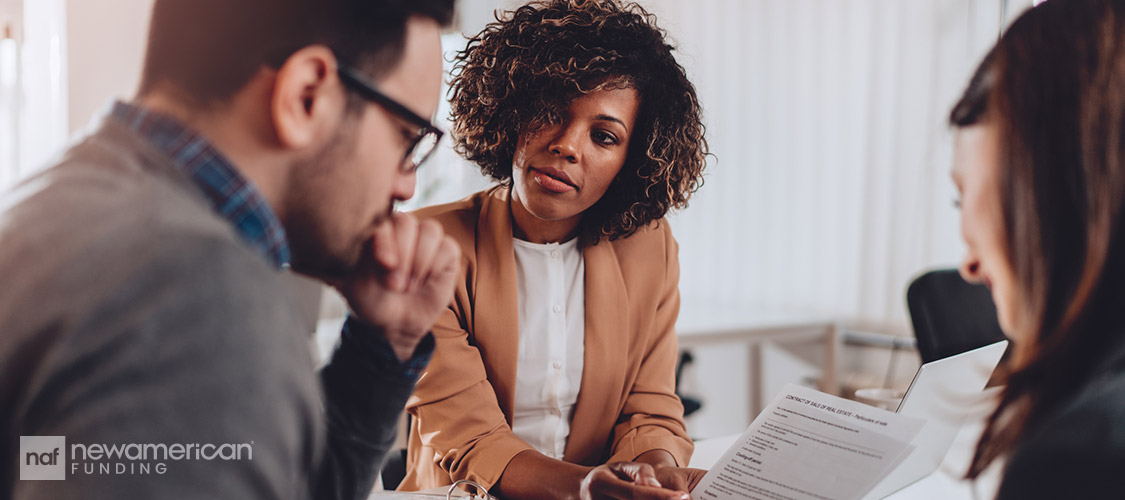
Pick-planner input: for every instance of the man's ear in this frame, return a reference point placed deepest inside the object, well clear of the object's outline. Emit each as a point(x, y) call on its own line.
point(308, 100)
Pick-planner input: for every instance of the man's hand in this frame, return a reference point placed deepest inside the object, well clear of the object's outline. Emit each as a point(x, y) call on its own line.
point(404, 280)
point(631, 481)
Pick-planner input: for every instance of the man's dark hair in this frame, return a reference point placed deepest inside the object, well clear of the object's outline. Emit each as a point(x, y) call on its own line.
point(210, 49)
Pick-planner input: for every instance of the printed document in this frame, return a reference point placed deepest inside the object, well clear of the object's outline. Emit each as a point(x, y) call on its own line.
point(807, 445)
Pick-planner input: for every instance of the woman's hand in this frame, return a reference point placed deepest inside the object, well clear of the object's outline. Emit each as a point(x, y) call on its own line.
point(668, 474)
point(635, 481)
point(678, 478)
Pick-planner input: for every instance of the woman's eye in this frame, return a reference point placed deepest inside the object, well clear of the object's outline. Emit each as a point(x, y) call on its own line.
point(604, 138)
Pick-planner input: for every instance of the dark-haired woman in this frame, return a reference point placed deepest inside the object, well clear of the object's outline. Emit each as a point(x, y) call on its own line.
point(1040, 164)
point(558, 354)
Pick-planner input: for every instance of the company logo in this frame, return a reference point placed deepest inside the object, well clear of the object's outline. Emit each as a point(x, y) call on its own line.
point(46, 457)
point(42, 458)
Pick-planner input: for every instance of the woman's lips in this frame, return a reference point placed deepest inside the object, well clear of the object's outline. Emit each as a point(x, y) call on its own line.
point(550, 182)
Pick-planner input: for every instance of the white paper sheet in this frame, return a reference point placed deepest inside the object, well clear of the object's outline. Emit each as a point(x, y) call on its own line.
point(807, 445)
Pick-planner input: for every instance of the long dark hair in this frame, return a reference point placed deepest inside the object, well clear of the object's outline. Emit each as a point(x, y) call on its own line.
point(1054, 86)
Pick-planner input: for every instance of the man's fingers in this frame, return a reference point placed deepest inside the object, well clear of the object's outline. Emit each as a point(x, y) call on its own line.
point(444, 269)
point(449, 257)
point(430, 236)
point(383, 245)
point(406, 238)
point(446, 265)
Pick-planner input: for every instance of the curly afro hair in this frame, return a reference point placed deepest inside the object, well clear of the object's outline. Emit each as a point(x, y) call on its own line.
point(522, 71)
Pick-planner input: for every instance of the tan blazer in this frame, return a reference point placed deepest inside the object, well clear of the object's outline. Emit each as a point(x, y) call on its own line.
point(627, 405)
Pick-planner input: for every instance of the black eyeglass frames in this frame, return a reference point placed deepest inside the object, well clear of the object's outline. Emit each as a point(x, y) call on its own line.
point(429, 135)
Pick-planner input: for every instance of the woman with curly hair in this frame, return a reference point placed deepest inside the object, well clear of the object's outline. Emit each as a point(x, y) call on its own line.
point(558, 353)
point(1040, 164)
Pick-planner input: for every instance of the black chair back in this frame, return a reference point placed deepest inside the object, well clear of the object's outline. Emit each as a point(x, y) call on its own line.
point(950, 315)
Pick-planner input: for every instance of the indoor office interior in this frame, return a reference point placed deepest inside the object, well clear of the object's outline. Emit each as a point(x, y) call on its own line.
point(827, 194)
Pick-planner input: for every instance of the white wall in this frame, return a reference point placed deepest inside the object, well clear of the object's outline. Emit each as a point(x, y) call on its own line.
point(830, 187)
point(105, 47)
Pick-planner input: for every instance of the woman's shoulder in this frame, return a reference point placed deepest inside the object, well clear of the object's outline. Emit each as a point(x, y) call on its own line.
point(1098, 411)
point(1091, 419)
point(1079, 450)
point(656, 235)
point(454, 209)
point(460, 218)
point(647, 259)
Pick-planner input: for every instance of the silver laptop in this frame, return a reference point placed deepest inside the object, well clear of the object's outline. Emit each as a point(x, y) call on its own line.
point(943, 393)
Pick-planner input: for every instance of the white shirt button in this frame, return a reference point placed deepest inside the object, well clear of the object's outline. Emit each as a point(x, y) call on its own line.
point(551, 329)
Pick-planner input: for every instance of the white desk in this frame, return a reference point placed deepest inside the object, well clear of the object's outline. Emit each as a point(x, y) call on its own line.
point(709, 323)
point(438, 493)
point(944, 484)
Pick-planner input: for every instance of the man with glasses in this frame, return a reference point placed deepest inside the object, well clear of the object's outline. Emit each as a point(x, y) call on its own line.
point(427, 137)
point(143, 303)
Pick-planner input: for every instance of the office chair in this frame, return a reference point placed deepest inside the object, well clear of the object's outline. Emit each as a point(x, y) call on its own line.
point(951, 316)
point(394, 465)
point(691, 405)
point(394, 469)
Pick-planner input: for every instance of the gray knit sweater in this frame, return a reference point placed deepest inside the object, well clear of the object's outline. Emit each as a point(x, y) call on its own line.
point(130, 313)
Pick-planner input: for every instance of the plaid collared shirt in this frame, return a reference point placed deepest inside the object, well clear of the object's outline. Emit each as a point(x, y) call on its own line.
point(230, 194)
point(240, 203)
